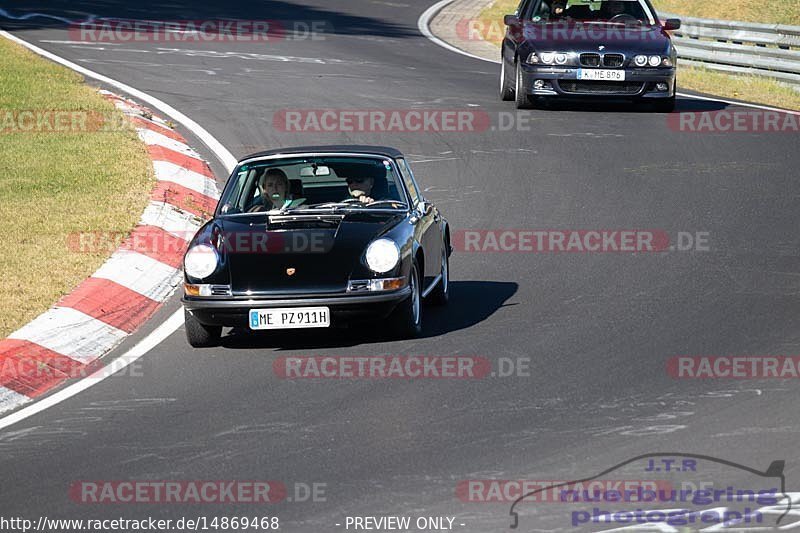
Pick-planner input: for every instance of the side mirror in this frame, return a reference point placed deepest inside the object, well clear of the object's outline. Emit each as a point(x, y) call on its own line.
point(510, 20)
point(672, 24)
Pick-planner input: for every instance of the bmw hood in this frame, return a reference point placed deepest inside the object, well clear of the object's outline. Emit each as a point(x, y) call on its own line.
point(628, 40)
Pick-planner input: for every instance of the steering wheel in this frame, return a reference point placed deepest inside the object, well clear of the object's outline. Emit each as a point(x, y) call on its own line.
point(623, 17)
point(349, 201)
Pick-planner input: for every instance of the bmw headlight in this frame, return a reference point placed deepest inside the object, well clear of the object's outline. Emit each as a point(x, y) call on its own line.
point(561, 58)
point(640, 61)
point(382, 255)
point(201, 261)
point(548, 57)
point(654, 61)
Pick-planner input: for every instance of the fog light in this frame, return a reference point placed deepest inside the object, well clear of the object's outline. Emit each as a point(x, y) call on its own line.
point(661, 87)
point(538, 84)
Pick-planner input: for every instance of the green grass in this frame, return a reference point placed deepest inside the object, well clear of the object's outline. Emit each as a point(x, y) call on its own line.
point(742, 87)
point(54, 184)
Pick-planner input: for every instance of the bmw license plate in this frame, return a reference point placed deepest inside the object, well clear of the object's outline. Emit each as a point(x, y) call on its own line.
point(601, 74)
point(291, 317)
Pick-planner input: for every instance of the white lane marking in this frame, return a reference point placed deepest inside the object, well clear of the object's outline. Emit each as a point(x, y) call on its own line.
point(222, 153)
point(175, 321)
point(166, 171)
point(55, 41)
point(10, 399)
point(141, 273)
point(27, 16)
point(71, 333)
point(169, 218)
point(153, 137)
point(166, 329)
point(418, 161)
point(423, 24)
point(737, 103)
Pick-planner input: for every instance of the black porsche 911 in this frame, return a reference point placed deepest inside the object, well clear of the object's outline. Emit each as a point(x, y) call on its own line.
point(314, 237)
point(588, 49)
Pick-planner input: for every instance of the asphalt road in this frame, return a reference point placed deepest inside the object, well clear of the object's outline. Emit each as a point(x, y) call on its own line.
point(598, 328)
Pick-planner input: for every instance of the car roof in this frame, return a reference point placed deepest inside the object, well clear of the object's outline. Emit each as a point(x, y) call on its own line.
point(334, 148)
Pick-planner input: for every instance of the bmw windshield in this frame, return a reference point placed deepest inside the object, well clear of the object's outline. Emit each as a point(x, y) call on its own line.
point(627, 12)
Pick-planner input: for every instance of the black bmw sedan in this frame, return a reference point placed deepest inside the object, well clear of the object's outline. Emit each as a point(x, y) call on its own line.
point(314, 237)
point(588, 49)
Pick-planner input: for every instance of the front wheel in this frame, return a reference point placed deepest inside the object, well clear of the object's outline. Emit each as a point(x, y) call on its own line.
point(667, 105)
point(406, 320)
point(506, 81)
point(521, 97)
point(198, 335)
point(441, 293)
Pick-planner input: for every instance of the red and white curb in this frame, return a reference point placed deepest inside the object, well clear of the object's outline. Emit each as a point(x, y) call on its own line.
point(128, 288)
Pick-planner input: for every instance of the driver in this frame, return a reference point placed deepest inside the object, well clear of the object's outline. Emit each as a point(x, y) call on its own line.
point(360, 188)
point(612, 8)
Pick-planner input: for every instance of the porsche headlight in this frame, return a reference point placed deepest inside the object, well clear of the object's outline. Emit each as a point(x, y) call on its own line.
point(382, 255)
point(201, 261)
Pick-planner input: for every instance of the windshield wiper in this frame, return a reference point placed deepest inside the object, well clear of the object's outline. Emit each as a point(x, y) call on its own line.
point(358, 205)
point(331, 205)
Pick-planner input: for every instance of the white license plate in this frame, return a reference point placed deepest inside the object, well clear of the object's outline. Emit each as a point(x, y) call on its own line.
point(290, 317)
point(601, 74)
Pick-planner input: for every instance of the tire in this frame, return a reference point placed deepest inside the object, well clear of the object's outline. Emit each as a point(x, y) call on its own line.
point(506, 81)
point(441, 294)
point(520, 91)
point(667, 105)
point(406, 320)
point(200, 336)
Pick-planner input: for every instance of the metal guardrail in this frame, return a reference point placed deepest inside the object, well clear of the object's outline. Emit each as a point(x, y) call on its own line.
point(771, 50)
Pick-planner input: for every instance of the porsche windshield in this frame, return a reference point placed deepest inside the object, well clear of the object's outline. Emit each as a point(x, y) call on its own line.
point(307, 183)
point(601, 11)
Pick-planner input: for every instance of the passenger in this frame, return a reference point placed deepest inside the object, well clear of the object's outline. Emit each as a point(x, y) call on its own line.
point(274, 189)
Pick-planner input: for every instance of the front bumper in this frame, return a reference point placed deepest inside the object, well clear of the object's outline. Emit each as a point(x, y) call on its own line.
point(564, 82)
point(233, 311)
